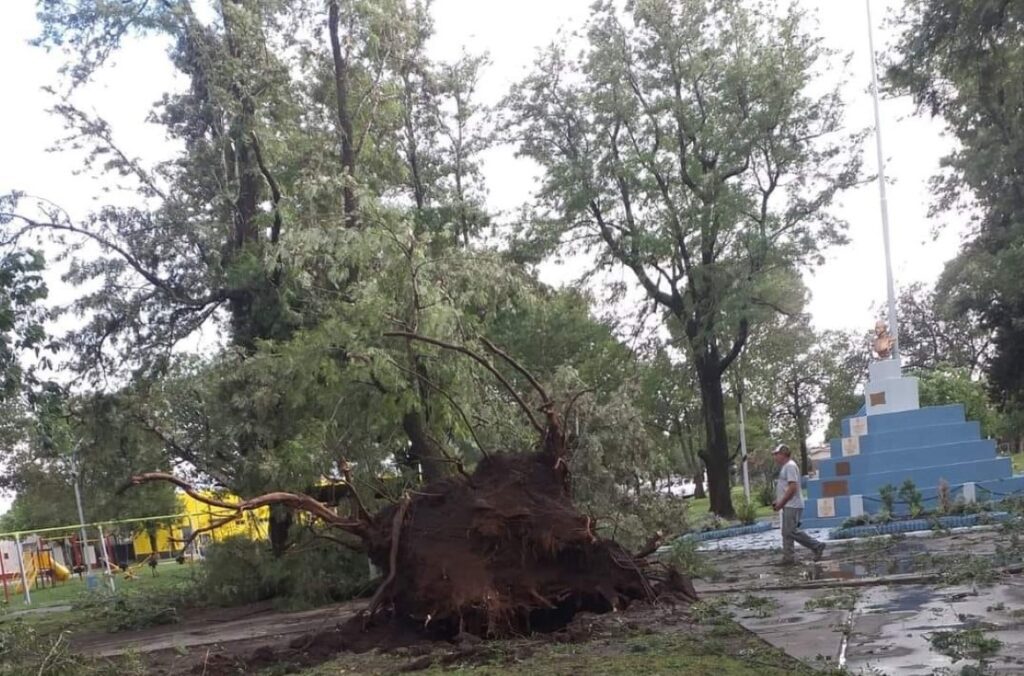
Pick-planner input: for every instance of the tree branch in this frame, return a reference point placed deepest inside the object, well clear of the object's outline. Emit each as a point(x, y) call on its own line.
point(480, 360)
point(737, 346)
point(296, 501)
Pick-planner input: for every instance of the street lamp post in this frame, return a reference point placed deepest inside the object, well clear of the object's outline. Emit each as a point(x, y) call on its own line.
point(75, 475)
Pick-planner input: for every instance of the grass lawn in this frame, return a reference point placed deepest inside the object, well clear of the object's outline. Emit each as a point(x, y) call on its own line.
point(67, 593)
point(722, 650)
point(1018, 463)
point(698, 508)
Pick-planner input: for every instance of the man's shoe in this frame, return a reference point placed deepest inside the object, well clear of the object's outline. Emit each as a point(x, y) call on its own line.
point(819, 552)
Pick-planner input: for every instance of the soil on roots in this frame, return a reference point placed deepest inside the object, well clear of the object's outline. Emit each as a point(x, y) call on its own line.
point(502, 552)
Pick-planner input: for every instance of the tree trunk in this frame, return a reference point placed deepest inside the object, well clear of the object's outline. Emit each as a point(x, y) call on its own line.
point(279, 524)
point(424, 450)
point(716, 455)
point(698, 490)
point(345, 127)
point(805, 456)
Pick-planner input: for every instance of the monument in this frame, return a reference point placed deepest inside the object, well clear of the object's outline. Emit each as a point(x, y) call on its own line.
point(892, 439)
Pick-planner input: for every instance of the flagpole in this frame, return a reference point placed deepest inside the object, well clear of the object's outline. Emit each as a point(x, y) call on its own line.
point(890, 286)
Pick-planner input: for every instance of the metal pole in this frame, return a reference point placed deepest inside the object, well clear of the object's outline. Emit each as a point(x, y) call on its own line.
point(3, 575)
point(743, 452)
point(21, 569)
point(894, 330)
point(106, 559)
point(81, 512)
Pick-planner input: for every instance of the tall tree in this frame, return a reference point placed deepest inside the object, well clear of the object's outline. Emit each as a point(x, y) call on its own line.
point(934, 334)
point(684, 146)
point(304, 127)
point(961, 60)
point(22, 315)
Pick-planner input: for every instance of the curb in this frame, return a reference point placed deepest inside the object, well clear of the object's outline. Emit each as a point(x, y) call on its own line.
point(912, 525)
point(733, 531)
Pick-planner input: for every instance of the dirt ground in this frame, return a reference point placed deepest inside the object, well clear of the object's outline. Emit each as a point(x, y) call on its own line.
point(257, 640)
point(873, 606)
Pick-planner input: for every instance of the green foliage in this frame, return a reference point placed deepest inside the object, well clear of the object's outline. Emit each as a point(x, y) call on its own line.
point(714, 611)
point(765, 492)
point(685, 557)
point(760, 606)
point(22, 314)
point(127, 609)
point(314, 572)
point(967, 568)
point(910, 496)
point(955, 386)
point(24, 650)
point(963, 644)
point(960, 61)
point(110, 445)
point(838, 600)
point(887, 494)
point(717, 239)
point(746, 512)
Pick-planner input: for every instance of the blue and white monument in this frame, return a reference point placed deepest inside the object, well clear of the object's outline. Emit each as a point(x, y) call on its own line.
point(892, 439)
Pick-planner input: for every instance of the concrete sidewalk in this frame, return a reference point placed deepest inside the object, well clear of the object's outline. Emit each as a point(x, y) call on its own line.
point(865, 609)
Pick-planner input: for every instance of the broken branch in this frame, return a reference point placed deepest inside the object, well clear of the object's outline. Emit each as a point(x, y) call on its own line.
point(480, 360)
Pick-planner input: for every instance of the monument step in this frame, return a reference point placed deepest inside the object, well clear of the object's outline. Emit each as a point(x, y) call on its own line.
point(953, 473)
point(922, 417)
point(929, 454)
point(985, 491)
point(882, 442)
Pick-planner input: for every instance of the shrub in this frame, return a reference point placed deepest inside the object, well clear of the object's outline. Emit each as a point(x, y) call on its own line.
point(944, 496)
point(127, 609)
point(746, 512)
point(887, 494)
point(910, 496)
point(312, 572)
point(765, 493)
point(23, 650)
point(688, 561)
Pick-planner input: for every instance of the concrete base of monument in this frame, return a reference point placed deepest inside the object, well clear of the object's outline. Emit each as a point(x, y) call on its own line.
point(935, 448)
point(888, 390)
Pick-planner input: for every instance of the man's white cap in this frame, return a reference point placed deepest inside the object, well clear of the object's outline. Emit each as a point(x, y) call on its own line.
point(781, 448)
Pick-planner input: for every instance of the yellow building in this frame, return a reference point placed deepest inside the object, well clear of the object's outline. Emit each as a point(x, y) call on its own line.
point(194, 515)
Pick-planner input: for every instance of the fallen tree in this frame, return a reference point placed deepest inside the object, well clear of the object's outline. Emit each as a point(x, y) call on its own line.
point(497, 552)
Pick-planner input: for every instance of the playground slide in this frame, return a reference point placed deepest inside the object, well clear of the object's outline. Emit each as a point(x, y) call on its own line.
point(60, 572)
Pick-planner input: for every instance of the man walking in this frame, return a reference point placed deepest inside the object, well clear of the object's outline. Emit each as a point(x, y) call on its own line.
point(790, 501)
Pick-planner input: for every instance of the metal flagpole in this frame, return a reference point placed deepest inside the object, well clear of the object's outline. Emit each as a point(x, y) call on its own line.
point(890, 286)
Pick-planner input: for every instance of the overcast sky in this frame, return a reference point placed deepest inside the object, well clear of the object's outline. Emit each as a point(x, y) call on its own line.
point(844, 290)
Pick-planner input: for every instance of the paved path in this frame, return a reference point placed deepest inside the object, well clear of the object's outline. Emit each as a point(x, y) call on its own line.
point(262, 623)
point(880, 627)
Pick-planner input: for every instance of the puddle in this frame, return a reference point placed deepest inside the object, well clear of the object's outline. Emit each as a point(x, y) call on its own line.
point(910, 600)
point(907, 557)
point(832, 570)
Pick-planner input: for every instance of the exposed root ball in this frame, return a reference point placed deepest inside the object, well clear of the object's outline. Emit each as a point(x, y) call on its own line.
point(502, 553)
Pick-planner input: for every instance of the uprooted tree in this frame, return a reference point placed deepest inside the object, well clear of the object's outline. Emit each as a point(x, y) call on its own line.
point(496, 552)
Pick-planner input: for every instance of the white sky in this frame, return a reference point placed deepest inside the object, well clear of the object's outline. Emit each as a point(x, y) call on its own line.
point(843, 290)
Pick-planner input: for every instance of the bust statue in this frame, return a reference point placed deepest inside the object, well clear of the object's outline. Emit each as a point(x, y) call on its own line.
point(882, 343)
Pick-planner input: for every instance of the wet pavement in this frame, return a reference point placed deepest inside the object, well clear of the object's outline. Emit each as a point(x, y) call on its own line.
point(879, 606)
